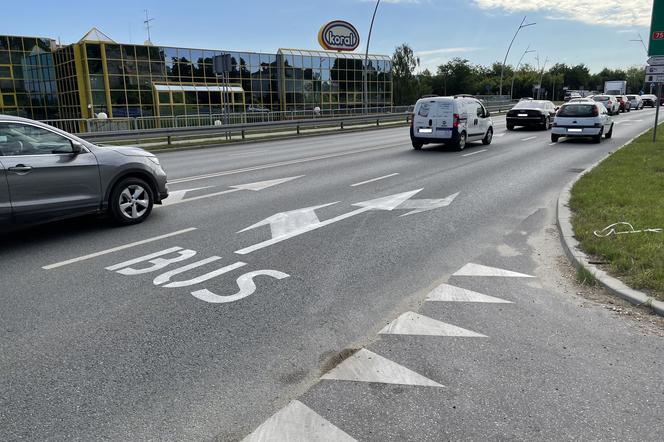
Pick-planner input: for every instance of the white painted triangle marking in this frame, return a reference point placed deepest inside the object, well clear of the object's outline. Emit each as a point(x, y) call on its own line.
point(366, 366)
point(297, 423)
point(472, 269)
point(411, 323)
point(426, 204)
point(260, 185)
point(387, 202)
point(450, 293)
point(176, 196)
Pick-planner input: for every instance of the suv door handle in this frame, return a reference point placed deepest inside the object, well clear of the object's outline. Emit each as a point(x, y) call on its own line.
point(20, 169)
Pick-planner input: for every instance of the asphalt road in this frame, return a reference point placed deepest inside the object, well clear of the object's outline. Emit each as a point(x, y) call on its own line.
point(103, 348)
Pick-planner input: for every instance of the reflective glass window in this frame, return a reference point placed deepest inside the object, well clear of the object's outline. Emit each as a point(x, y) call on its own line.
point(142, 53)
point(113, 52)
point(93, 50)
point(15, 43)
point(95, 67)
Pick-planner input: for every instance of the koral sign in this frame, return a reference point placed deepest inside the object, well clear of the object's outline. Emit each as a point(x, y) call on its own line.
point(338, 35)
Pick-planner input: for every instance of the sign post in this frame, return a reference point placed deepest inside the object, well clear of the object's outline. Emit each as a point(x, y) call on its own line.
point(656, 53)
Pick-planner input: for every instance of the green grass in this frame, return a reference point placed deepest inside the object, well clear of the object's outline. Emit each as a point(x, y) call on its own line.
point(628, 187)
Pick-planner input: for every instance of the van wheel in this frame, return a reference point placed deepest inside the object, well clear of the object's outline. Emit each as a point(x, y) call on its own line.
point(461, 144)
point(609, 133)
point(488, 137)
point(417, 145)
point(131, 201)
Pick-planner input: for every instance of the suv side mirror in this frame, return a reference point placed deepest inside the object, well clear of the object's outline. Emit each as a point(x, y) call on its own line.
point(76, 147)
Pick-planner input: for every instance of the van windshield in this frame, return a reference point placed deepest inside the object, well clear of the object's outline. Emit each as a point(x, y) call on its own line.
point(578, 110)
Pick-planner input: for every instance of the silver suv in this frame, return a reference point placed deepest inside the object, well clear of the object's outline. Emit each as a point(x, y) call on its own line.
point(48, 174)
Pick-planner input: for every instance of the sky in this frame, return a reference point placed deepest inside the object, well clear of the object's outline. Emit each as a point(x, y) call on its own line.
point(594, 32)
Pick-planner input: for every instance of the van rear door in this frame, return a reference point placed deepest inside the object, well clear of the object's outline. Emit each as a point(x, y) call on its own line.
point(423, 121)
point(444, 119)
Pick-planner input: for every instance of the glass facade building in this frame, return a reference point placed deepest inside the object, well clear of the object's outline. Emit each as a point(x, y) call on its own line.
point(41, 80)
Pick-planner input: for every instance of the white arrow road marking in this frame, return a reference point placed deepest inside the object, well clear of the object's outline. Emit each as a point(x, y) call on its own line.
point(411, 323)
point(450, 293)
point(286, 222)
point(425, 205)
point(260, 185)
point(366, 366)
point(297, 423)
point(385, 203)
point(471, 269)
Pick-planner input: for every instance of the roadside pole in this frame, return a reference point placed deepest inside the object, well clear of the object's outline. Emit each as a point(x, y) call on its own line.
point(657, 106)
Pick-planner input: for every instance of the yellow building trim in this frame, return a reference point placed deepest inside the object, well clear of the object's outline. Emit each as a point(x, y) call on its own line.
point(83, 81)
point(107, 85)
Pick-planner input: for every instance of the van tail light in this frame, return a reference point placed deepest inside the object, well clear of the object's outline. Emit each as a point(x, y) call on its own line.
point(455, 120)
point(412, 120)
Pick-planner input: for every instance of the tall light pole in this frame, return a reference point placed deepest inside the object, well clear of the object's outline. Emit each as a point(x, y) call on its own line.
point(640, 39)
point(539, 89)
point(502, 70)
point(527, 51)
point(365, 92)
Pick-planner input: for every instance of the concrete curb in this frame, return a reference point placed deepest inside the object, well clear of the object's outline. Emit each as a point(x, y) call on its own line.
point(580, 260)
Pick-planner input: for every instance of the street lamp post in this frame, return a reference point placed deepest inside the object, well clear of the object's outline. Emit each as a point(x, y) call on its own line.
point(365, 92)
point(640, 40)
point(502, 70)
point(539, 89)
point(528, 50)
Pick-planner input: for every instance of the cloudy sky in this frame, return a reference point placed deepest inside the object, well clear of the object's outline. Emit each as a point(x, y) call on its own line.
point(595, 32)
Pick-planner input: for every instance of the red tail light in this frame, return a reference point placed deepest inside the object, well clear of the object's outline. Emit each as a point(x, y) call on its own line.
point(412, 120)
point(455, 120)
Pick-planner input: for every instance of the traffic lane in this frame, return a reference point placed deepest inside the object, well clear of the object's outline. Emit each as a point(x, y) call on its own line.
point(279, 257)
point(209, 160)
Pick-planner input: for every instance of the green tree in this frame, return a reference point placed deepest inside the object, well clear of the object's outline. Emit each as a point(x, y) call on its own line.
point(403, 69)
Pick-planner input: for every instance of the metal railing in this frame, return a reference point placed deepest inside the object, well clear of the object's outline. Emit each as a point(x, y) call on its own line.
point(89, 125)
point(243, 130)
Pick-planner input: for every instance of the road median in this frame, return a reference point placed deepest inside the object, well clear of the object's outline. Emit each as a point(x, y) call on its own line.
point(610, 219)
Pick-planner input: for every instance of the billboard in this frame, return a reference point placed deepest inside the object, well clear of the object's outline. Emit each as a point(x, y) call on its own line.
point(338, 35)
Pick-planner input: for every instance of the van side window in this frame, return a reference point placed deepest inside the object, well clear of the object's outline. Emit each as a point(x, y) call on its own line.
point(481, 112)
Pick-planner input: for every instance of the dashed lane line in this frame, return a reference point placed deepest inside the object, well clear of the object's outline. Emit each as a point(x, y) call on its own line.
point(528, 139)
point(474, 153)
point(374, 179)
point(116, 249)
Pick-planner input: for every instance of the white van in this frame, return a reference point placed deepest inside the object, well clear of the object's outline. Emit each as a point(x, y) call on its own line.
point(450, 120)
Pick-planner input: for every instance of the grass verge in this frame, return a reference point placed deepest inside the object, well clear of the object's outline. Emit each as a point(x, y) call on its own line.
point(626, 187)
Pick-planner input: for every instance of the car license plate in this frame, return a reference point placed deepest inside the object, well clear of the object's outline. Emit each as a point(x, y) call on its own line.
point(523, 115)
point(574, 130)
point(426, 130)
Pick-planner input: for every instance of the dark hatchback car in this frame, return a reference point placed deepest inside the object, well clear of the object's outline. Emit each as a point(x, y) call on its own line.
point(625, 105)
point(531, 113)
point(48, 174)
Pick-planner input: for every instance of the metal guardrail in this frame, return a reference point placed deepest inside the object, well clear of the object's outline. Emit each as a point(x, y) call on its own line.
point(241, 130)
point(116, 132)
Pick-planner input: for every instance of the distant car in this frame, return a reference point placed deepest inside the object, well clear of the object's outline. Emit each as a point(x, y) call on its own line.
point(610, 102)
point(649, 100)
point(635, 101)
point(572, 95)
point(575, 100)
point(587, 119)
point(48, 174)
point(531, 113)
point(625, 105)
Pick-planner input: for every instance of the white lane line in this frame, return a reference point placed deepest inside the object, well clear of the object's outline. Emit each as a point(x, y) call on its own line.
point(502, 134)
point(116, 249)
point(450, 293)
point(367, 366)
point(474, 153)
point(528, 139)
point(281, 163)
point(472, 269)
point(297, 422)
point(410, 323)
point(374, 179)
point(552, 144)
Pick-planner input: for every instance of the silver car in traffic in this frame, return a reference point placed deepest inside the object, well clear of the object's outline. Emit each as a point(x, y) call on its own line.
point(48, 174)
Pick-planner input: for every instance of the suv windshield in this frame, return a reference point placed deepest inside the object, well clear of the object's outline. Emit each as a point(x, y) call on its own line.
point(578, 110)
